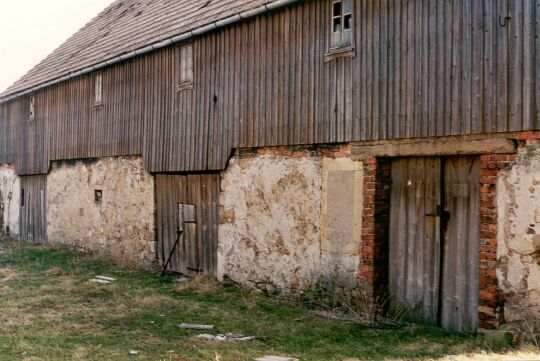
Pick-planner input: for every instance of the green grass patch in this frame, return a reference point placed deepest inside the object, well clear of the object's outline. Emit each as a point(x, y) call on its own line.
point(51, 312)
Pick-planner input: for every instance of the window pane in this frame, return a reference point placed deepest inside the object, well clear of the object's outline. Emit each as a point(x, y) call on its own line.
point(347, 35)
point(336, 27)
point(186, 64)
point(337, 9)
point(347, 6)
point(335, 41)
point(347, 22)
point(32, 111)
point(98, 88)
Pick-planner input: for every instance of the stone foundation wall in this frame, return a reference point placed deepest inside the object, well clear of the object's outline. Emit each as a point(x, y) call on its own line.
point(518, 238)
point(10, 200)
point(104, 206)
point(283, 213)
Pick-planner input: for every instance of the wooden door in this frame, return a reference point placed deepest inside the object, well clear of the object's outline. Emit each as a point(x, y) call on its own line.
point(459, 293)
point(414, 234)
point(434, 238)
point(189, 203)
point(33, 214)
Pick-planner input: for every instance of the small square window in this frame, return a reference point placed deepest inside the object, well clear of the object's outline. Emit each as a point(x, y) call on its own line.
point(186, 64)
point(98, 195)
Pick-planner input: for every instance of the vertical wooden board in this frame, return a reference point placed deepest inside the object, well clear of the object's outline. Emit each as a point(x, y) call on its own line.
point(198, 197)
point(459, 288)
point(527, 101)
point(413, 254)
point(536, 57)
point(33, 217)
point(515, 69)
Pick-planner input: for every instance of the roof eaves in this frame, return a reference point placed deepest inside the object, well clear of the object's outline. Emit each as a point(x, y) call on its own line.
point(147, 49)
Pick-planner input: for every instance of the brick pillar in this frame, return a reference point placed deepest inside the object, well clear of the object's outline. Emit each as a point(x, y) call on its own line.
point(490, 300)
point(375, 225)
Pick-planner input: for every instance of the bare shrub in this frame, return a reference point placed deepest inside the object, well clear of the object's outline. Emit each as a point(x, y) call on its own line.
point(357, 305)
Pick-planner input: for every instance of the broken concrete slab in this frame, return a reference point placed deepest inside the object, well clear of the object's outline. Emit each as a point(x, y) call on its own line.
point(195, 326)
point(226, 337)
point(105, 278)
point(103, 282)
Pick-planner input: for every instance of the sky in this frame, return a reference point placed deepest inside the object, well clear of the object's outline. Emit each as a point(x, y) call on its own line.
point(31, 29)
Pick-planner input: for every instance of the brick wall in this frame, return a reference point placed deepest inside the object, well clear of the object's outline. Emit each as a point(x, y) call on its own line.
point(331, 151)
point(375, 229)
point(490, 301)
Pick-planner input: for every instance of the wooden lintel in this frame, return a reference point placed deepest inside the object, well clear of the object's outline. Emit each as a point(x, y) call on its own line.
point(434, 147)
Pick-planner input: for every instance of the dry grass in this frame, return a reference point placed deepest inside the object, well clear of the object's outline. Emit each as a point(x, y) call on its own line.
point(51, 312)
point(203, 285)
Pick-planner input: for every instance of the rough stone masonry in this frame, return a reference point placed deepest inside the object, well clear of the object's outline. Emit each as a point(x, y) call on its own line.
point(518, 242)
point(9, 200)
point(276, 220)
point(118, 221)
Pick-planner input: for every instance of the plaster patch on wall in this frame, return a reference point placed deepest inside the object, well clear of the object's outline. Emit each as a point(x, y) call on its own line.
point(121, 224)
point(518, 249)
point(10, 200)
point(342, 205)
point(270, 233)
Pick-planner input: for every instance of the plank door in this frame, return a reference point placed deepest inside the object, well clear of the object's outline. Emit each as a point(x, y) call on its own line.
point(459, 294)
point(33, 215)
point(435, 238)
point(189, 203)
point(414, 252)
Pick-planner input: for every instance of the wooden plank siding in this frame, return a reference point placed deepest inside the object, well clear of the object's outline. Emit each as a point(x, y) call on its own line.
point(422, 68)
point(202, 191)
point(33, 212)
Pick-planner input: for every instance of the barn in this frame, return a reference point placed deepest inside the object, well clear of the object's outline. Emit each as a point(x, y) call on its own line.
point(384, 145)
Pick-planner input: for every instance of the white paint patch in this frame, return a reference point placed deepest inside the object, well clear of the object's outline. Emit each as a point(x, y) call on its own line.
point(270, 229)
point(120, 225)
point(10, 199)
point(518, 250)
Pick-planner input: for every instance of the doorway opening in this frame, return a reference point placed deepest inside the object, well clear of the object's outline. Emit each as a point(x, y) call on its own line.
point(435, 238)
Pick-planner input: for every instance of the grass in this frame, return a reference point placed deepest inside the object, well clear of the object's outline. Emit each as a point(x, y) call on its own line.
point(49, 311)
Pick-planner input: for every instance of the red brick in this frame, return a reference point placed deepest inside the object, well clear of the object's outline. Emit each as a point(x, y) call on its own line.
point(488, 295)
point(527, 135)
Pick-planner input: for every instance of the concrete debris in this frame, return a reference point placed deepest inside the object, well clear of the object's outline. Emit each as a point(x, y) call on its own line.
point(103, 280)
point(106, 278)
point(226, 337)
point(275, 358)
point(194, 326)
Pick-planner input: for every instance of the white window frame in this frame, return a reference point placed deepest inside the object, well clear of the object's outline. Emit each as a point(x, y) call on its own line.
point(186, 65)
point(98, 89)
point(341, 38)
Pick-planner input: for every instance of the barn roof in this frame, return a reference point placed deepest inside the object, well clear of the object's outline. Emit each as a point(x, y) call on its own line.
point(127, 26)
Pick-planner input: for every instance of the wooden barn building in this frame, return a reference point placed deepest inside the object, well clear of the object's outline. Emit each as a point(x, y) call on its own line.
point(373, 144)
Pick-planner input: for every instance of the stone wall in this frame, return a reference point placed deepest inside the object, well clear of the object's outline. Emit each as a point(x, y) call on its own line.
point(280, 220)
point(518, 238)
point(104, 206)
point(10, 200)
